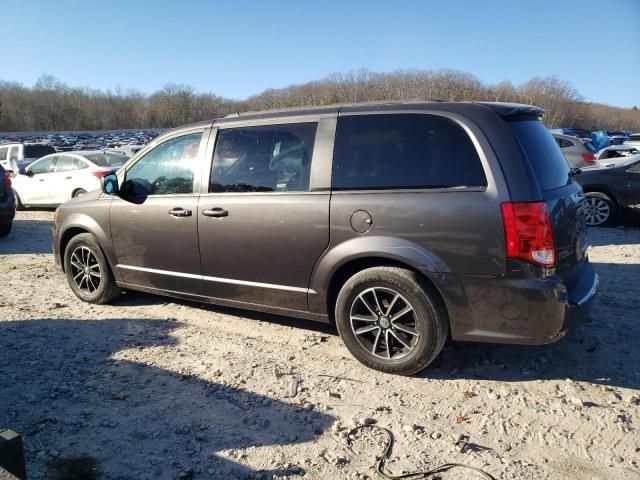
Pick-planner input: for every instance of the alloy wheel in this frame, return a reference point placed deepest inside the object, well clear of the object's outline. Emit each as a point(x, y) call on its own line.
point(384, 323)
point(85, 269)
point(597, 211)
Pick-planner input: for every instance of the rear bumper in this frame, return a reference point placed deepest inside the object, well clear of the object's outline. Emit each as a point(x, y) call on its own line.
point(521, 311)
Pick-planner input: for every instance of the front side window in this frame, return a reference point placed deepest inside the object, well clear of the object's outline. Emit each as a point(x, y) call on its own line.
point(167, 169)
point(635, 168)
point(65, 163)
point(42, 166)
point(403, 151)
point(273, 158)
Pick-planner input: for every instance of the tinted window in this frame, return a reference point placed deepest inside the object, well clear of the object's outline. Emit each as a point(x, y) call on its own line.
point(42, 166)
point(65, 164)
point(548, 162)
point(38, 151)
point(3, 153)
point(403, 151)
point(635, 168)
point(273, 158)
point(168, 168)
point(563, 143)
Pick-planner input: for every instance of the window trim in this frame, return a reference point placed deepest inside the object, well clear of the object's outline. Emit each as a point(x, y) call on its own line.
point(459, 120)
point(52, 157)
point(321, 158)
point(203, 130)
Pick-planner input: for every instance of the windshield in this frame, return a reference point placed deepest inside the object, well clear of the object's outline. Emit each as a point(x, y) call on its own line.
point(107, 159)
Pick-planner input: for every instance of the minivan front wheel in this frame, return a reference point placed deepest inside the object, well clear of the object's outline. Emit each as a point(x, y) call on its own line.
point(391, 319)
point(88, 272)
point(599, 210)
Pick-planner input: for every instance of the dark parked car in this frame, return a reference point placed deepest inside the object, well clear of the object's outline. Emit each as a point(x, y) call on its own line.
point(401, 223)
point(7, 203)
point(612, 191)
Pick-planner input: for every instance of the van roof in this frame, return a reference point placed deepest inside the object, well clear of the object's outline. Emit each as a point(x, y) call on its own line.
point(501, 108)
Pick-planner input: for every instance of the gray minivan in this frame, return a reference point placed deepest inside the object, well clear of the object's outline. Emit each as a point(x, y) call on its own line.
point(403, 223)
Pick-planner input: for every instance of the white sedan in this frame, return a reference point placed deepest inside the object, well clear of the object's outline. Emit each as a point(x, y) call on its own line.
point(56, 178)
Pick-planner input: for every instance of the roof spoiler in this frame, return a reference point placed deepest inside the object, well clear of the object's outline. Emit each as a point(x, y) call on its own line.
point(514, 109)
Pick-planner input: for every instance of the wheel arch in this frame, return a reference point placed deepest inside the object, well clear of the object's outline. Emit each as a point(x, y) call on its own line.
point(85, 224)
point(345, 260)
point(600, 189)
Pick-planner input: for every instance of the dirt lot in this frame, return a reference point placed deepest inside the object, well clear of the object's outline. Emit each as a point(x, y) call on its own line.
point(156, 388)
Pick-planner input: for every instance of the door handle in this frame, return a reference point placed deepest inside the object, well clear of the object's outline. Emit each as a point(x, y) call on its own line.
point(68, 178)
point(215, 212)
point(180, 212)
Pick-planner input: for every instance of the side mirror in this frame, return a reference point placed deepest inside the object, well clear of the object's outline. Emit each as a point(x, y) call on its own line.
point(27, 172)
point(109, 184)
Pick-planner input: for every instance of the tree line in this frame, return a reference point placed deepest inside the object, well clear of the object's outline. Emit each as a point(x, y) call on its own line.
point(53, 105)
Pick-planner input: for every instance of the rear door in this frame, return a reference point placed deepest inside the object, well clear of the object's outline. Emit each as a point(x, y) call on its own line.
point(263, 224)
point(61, 182)
point(564, 197)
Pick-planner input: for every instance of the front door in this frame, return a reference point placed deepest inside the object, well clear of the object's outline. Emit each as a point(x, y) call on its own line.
point(34, 188)
point(261, 226)
point(154, 220)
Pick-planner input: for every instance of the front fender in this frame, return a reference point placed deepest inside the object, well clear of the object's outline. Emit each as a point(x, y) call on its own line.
point(99, 228)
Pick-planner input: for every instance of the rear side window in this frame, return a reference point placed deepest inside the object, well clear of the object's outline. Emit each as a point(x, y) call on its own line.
point(3, 153)
point(65, 164)
point(563, 143)
point(403, 151)
point(546, 159)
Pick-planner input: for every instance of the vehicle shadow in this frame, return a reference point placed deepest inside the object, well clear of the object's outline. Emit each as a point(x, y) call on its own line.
point(604, 350)
point(27, 237)
point(67, 389)
point(133, 298)
point(627, 233)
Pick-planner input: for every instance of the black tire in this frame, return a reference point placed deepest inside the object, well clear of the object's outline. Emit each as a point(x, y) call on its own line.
point(78, 192)
point(428, 322)
point(19, 204)
point(89, 288)
point(5, 229)
point(600, 209)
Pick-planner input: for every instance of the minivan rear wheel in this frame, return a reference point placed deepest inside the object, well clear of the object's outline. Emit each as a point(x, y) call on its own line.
point(391, 319)
point(88, 271)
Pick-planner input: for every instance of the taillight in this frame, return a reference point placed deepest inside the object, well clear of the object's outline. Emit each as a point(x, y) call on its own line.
point(7, 181)
point(529, 232)
point(100, 174)
point(588, 157)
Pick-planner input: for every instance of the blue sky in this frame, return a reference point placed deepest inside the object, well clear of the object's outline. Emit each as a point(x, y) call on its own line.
point(239, 48)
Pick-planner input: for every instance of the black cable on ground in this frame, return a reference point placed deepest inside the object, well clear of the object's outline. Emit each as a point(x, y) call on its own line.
point(421, 474)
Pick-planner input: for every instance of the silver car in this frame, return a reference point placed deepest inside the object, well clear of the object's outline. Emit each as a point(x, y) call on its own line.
point(633, 141)
point(575, 151)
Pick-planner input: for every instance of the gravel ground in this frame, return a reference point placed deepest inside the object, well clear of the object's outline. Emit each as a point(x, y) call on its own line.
point(155, 388)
